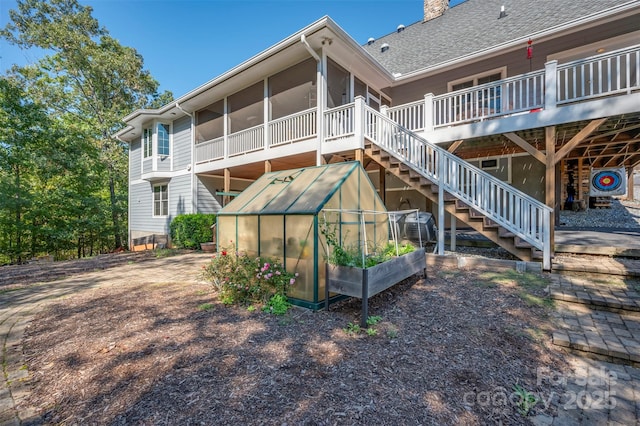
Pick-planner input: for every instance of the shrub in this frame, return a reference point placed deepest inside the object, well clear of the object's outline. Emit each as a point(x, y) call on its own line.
point(241, 279)
point(189, 230)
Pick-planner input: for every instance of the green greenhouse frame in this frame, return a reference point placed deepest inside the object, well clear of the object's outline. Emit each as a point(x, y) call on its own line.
point(281, 214)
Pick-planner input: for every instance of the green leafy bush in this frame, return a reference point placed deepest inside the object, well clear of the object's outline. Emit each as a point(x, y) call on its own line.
point(241, 279)
point(189, 230)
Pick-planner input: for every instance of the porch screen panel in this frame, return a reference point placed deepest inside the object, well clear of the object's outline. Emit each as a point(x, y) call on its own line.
point(293, 90)
point(246, 108)
point(338, 88)
point(210, 122)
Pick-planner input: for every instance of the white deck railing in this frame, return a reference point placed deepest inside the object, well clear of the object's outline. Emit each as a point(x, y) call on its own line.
point(246, 141)
point(410, 116)
point(603, 75)
point(339, 122)
point(210, 150)
point(524, 216)
point(293, 128)
point(577, 81)
point(499, 98)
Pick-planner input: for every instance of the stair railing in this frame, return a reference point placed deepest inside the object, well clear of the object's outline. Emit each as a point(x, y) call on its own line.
point(517, 212)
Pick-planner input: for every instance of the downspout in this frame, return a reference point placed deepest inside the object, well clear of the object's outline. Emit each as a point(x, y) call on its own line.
point(319, 99)
point(192, 143)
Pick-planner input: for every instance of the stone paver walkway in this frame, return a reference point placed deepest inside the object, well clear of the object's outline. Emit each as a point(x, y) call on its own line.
point(17, 308)
point(598, 320)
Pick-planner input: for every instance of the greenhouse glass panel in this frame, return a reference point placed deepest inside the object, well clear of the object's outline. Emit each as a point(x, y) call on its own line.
point(300, 255)
point(366, 202)
point(350, 195)
point(226, 232)
point(329, 181)
point(268, 194)
point(248, 235)
point(272, 236)
point(236, 205)
point(299, 183)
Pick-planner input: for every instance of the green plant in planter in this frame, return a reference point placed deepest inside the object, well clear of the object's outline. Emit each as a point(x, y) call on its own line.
point(352, 256)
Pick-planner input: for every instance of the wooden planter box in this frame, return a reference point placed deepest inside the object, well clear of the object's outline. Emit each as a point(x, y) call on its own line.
point(365, 283)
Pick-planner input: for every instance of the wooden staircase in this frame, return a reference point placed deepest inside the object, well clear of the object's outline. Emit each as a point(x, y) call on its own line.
point(454, 206)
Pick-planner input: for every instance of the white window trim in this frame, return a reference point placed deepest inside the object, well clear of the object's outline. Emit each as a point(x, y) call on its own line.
point(142, 140)
point(153, 200)
point(155, 134)
point(476, 77)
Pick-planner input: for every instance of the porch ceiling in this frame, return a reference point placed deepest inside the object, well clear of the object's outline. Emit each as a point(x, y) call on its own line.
point(253, 171)
point(615, 143)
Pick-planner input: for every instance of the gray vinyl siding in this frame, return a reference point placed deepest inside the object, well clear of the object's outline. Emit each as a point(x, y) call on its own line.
point(164, 164)
point(181, 143)
point(147, 165)
point(207, 202)
point(179, 195)
point(141, 211)
point(135, 152)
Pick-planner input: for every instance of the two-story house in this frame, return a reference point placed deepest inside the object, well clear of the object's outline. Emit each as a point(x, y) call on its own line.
point(490, 114)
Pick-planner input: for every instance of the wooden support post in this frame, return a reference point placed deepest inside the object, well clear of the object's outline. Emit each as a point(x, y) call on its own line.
point(227, 187)
point(267, 166)
point(360, 156)
point(383, 184)
point(579, 192)
point(630, 184)
point(452, 232)
point(550, 177)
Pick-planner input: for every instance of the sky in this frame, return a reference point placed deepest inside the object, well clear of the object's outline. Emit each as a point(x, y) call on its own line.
point(186, 43)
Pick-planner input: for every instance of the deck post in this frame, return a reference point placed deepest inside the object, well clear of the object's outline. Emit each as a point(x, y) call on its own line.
point(550, 178)
point(440, 175)
point(358, 121)
point(550, 85)
point(227, 187)
point(630, 184)
point(383, 184)
point(428, 113)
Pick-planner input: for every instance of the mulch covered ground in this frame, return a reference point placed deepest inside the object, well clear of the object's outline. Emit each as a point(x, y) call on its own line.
point(448, 350)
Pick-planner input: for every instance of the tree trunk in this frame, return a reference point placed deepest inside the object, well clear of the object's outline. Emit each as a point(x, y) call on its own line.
point(18, 217)
point(114, 209)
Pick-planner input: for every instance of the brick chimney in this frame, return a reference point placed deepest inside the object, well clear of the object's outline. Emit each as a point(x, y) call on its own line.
point(434, 8)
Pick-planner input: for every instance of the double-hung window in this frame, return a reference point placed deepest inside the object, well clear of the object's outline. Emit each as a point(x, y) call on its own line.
point(163, 139)
point(147, 142)
point(160, 200)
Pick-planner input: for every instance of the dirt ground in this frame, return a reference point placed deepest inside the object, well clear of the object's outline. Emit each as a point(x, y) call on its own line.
point(154, 346)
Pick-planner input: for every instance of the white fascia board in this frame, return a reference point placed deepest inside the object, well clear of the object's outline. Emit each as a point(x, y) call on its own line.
point(553, 32)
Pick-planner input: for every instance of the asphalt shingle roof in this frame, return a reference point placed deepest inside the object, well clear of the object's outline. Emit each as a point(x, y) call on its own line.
point(474, 26)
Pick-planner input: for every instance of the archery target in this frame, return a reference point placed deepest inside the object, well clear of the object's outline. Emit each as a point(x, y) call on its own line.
point(608, 182)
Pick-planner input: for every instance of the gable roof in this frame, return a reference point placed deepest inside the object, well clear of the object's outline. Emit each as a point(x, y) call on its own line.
point(298, 191)
point(474, 27)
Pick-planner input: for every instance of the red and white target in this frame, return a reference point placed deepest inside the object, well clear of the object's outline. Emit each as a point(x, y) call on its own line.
point(608, 182)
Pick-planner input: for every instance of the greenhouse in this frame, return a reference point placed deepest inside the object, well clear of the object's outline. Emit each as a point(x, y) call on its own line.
point(286, 214)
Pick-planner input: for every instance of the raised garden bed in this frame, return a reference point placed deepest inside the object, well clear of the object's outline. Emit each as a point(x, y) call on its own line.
point(364, 283)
